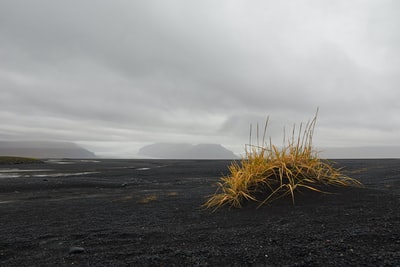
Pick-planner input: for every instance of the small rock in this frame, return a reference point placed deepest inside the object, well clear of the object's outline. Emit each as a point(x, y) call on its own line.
point(76, 250)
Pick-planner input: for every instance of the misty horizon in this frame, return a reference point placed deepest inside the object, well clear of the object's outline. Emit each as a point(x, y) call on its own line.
point(43, 149)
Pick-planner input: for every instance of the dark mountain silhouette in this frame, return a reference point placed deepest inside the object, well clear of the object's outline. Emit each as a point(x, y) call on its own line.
point(186, 151)
point(44, 149)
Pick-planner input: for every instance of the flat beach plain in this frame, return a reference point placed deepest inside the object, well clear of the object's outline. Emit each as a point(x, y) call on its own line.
point(148, 213)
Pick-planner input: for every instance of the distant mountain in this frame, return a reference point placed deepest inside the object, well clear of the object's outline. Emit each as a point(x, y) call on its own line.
point(186, 151)
point(44, 149)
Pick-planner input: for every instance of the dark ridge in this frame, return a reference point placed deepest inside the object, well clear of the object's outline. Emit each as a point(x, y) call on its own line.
point(18, 160)
point(44, 149)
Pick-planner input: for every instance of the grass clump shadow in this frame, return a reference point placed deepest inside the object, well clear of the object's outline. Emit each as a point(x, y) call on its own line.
point(268, 172)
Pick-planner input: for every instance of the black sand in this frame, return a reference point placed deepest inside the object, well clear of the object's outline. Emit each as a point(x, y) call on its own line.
point(118, 213)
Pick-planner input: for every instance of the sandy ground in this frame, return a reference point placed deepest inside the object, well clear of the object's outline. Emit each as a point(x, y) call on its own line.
point(148, 213)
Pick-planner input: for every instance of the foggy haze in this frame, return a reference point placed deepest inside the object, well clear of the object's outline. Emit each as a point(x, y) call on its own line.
point(114, 76)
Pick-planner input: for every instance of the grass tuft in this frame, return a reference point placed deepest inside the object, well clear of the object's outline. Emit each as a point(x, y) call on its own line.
point(147, 199)
point(272, 172)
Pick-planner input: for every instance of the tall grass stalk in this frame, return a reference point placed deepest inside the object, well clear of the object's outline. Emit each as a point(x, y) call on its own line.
point(268, 172)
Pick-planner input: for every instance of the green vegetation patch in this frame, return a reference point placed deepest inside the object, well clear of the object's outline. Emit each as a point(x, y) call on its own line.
point(18, 160)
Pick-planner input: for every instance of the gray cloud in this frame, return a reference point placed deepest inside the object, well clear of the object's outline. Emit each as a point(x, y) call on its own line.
point(134, 72)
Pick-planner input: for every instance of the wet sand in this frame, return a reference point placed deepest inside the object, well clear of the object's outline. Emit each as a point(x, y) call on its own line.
point(148, 213)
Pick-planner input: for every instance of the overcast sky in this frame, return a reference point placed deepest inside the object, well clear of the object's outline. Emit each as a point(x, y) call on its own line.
point(116, 75)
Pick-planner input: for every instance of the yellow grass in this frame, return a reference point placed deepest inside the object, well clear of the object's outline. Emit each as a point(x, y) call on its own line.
point(147, 199)
point(273, 172)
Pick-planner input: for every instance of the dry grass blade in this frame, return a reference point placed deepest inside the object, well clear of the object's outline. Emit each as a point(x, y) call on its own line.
point(277, 172)
point(147, 199)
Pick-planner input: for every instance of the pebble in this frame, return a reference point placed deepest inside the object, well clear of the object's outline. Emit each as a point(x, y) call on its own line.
point(75, 250)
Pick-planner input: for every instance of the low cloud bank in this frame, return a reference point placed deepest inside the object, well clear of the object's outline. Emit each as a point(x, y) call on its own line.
point(186, 151)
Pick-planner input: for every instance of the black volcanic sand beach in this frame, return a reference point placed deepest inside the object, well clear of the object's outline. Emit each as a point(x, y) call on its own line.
point(148, 213)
